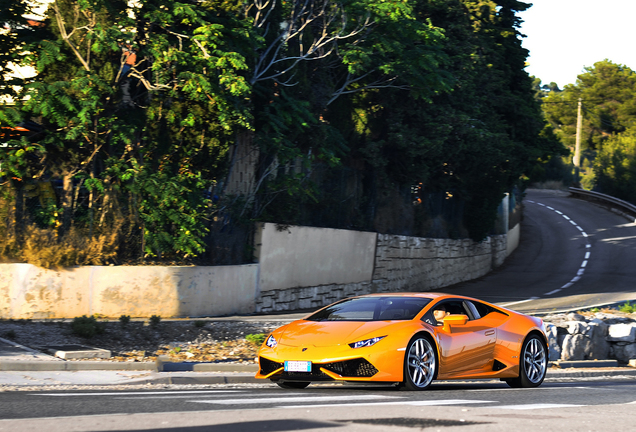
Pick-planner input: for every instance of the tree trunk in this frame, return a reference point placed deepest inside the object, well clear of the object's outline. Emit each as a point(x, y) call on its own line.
point(67, 204)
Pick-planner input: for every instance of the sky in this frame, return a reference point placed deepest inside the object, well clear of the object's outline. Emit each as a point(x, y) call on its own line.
point(565, 36)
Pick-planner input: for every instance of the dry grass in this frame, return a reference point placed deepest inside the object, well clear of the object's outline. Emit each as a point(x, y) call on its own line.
point(44, 248)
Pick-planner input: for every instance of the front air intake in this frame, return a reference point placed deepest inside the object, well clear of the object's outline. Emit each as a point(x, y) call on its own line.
point(268, 366)
point(356, 368)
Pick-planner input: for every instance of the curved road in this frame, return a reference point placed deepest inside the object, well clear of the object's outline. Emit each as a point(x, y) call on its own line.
point(572, 255)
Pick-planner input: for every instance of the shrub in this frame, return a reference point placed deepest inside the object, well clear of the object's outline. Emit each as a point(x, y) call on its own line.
point(124, 319)
point(199, 323)
point(86, 327)
point(256, 339)
point(154, 320)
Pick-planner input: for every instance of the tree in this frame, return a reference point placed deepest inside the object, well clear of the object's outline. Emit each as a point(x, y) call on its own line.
point(607, 91)
point(128, 129)
point(615, 166)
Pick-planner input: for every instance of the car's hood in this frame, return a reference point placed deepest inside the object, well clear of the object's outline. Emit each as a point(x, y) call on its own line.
point(330, 333)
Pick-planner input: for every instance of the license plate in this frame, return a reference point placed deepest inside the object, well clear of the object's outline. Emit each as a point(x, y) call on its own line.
point(297, 366)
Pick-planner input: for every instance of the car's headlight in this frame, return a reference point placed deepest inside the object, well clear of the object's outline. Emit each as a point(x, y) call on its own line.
point(271, 341)
point(366, 342)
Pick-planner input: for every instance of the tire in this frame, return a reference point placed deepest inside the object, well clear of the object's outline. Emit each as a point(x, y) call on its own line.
point(420, 364)
point(533, 363)
point(289, 385)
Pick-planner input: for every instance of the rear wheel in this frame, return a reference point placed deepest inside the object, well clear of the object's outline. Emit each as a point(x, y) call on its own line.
point(533, 363)
point(420, 364)
point(292, 384)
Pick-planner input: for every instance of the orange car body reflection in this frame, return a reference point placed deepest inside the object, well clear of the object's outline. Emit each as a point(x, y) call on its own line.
point(487, 347)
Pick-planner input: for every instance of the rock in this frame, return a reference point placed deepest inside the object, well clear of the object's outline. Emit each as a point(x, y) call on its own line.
point(562, 332)
point(624, 352)
point(578, 327)
point(622, 333)
point(554, 347)
point(575, 317)
point(599, 347)
point(575, 347)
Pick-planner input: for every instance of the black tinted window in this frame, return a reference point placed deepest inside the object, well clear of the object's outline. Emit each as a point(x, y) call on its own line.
point(484, 309)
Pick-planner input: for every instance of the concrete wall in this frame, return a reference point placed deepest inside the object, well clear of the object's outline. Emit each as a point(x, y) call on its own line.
point(512, 239)
point(299, 268)
point(401, 264)
point(304, 256)
point(27, 291)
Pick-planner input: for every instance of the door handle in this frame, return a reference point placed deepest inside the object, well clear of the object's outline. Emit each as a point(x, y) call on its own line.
point(489, 332)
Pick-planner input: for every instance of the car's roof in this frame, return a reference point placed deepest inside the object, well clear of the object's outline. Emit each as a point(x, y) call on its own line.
point(429, 295)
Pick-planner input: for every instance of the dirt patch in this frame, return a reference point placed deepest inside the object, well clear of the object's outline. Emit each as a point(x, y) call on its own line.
point(191, 340)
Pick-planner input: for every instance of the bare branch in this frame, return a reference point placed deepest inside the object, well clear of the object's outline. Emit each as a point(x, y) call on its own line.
point(308, 20)
point(383, 83)
point(67, 38)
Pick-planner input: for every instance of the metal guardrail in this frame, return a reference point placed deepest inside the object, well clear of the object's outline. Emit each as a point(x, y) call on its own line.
point(615, 204)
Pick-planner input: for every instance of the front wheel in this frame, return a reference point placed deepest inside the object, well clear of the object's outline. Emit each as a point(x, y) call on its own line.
point(420, 364)
point(533, 364)
point(298, 385)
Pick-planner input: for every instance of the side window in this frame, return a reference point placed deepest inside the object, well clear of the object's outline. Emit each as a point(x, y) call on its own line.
point(472, 309)
point(448, 307)
point(484, 309)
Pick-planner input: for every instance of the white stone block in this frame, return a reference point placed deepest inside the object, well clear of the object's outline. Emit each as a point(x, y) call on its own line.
point(622, 333)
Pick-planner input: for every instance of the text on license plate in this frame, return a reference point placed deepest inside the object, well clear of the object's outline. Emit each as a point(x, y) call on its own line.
point(297, 366)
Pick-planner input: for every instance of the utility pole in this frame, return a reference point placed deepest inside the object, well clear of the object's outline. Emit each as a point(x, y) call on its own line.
point(579, 126)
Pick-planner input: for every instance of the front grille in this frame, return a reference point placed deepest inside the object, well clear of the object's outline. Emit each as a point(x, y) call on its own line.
point(315, 375)
point(356, 368)
point(352, 368)
point(268, 366)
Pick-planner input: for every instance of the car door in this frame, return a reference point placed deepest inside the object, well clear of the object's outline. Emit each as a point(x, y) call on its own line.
point(467, 347)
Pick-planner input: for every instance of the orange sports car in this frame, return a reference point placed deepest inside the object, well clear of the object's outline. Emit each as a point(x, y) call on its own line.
point(410, 339)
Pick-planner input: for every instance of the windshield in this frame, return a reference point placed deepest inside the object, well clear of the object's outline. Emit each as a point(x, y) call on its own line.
point(372, 309)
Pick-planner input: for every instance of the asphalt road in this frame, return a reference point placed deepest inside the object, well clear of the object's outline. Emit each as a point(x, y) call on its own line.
point(482, 406)
point(572, 255)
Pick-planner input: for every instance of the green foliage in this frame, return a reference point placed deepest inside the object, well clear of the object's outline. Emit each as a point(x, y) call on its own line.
point(606, 90)
point(86, 326)
point(615, 166)
point(154, 320)
point(627, 307)
point(124, 320)
point(397, 96)
point(256, 339)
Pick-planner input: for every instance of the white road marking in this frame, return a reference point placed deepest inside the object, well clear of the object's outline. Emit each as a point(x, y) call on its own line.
point(139, 393)
point(517, 302)
point(169, 397)
point(508, 389)
point(536, 406)
point(581, 270)
point(402, 403)
point(309, 399)
point(587, 255)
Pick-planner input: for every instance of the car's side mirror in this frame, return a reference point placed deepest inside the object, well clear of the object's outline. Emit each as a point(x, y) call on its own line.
point(454, 320)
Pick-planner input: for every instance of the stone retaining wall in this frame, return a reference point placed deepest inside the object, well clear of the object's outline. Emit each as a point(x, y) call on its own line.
point(401, 264)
